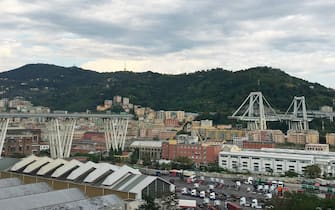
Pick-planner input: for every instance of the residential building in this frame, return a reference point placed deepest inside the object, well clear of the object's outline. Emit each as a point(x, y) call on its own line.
point(171, 122)
point(199, 153)
point(330, 138)
point(180, 115)
point(326, 109)
point(303, 137)
point(257, 144)
point(206, 123)
point(277, 161)
point(217, 134)
point(117, 99)
point(22, 142)
point(125, 101)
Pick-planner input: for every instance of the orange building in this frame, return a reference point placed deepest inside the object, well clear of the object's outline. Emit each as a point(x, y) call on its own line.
point(257, 144)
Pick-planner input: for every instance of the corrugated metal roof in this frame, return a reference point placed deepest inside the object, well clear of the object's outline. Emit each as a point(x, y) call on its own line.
point(50, 166)
point(42, 199)
point(119, 183)
point(157, 144)
point(22, 190)
point(111, 202)
point(101, 169)
point(7, 162)
point(38, 163)
point(24, 162)
point(66, 167)
point(123, 171)
point(9, 182)
point(133, 182)
point(143, 183)
point(81, 170)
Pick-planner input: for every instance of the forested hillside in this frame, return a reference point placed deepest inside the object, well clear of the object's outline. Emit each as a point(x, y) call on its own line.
point(75, 89)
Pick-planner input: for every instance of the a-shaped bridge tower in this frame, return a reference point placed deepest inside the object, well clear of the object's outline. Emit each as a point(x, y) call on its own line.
point(296, 114)
point(256, 111)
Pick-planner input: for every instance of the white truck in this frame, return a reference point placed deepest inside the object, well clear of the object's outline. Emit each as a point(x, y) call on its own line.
point(184, 191)
point(250, 180)
point(194, 192)
point(254, 204)
point(243, 202)
point(212, 195)
point(202, 194)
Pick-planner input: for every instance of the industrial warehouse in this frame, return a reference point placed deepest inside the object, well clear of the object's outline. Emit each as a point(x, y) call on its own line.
point(95, 180)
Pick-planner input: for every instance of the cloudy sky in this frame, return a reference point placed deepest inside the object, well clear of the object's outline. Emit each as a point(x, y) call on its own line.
point(172, 36)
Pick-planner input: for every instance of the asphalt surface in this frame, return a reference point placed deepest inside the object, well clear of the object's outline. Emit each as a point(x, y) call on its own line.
point(224, 192)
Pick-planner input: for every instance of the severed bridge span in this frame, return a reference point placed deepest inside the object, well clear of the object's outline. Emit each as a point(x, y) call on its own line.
point(61, 128)
point(257, 111)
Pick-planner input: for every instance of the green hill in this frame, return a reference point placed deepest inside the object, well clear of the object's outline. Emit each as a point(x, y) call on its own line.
point(75, 89)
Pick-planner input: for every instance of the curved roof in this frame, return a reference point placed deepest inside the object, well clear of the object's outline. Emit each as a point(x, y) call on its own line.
point(50, 166)
point(101, 169)
point(38, 163)
point(24, 162)
point(81, 170)
point(66, 167)
point(122, 172)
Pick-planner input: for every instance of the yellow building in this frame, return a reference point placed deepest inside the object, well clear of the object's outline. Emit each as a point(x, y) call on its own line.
point(303, 137)
point(330, 138)
point(215, 134)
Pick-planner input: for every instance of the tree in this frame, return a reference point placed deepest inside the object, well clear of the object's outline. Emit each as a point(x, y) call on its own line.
point(149, 204)
point(182, 162)
point(134, 156)
point(291, 174)
point(312, 171)
point(294, 201)
point(146, 160)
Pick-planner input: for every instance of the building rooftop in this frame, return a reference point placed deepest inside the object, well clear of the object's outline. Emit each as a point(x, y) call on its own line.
point(42, 199)
point(157, 144)
point(23, 190)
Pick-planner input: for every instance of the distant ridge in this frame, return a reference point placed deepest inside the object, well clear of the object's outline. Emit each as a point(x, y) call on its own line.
point(75, 89)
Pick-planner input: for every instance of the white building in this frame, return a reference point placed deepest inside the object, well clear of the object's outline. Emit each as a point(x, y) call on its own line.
point(277, 161)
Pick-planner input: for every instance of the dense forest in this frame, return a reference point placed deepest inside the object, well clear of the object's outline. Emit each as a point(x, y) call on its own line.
point(214, 90)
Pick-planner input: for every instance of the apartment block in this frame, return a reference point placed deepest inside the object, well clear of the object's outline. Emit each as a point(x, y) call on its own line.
point(199, 153)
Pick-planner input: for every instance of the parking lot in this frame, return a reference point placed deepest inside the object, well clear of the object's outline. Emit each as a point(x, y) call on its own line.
point(227, 189)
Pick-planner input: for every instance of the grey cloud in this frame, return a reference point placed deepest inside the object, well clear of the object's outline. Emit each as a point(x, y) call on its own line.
point(220, 31)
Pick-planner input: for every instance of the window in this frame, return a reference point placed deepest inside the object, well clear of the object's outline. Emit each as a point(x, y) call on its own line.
point(279, 167)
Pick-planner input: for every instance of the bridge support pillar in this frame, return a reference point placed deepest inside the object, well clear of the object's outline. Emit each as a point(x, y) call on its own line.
point(60, 137)
point(115, 133)
point(3, 126)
